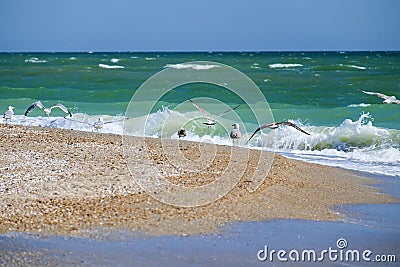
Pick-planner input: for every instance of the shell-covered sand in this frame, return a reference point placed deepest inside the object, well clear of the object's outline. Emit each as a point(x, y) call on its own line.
point(70, 182)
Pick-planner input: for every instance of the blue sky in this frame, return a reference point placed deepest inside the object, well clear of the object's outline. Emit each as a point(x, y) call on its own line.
point(201, 25)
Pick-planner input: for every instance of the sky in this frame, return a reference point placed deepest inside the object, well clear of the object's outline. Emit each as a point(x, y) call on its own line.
point(198, 25)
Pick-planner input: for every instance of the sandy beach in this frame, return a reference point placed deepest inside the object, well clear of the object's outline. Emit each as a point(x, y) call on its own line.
point(69, 182)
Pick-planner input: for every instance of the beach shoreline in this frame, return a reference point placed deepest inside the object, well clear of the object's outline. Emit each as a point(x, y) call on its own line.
point(57, 181)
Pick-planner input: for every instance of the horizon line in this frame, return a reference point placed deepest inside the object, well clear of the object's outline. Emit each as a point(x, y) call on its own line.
point(197, 51)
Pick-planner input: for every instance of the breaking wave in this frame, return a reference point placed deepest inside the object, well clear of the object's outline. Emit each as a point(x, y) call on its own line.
point(357, 145)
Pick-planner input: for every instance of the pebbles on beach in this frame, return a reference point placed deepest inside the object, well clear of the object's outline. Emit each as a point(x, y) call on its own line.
point(70, 182)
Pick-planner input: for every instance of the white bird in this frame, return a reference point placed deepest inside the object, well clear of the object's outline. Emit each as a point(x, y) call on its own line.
point(387, 99)
point(275, 125)
point(210, 122)
point(47, 111)
point(235, 133)
point(181, 133)
point(98, 125)
point(7, 116)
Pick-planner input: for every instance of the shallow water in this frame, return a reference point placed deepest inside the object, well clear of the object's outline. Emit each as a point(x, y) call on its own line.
point(366, 227)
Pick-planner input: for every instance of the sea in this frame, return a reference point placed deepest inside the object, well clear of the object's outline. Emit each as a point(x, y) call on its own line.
point(321, 92)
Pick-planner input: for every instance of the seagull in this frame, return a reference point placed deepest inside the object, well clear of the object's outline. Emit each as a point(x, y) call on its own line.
point(275, 125)
point(235, 133)
point(98, 125)
point(182, 133)
point(8, 114)
point(210, 122)
point(47, 111)
point(388, 99)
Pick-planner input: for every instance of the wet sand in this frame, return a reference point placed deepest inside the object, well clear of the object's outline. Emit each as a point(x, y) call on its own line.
point(56, 181)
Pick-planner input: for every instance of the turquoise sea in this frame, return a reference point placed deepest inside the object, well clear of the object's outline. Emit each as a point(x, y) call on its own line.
point(319, 91)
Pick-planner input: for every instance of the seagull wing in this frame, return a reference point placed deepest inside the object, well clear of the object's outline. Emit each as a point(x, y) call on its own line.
point(377, 94)
point(124, 119)
point(33, 106)
point(199, 108)
point(287, 123)
point(276, 125)
point(229, 110)
point(62, 107)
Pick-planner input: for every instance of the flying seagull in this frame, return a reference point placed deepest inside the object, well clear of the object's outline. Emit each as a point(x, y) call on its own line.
point(7, 116)
point(235, 133)
point(275, 126)
point(47, 111)
point(181, 133)
point(387, 99)
point(98, 125)
point(210, 122)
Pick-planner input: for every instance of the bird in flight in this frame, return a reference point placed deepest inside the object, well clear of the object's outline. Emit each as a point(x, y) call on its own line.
point(46, 110)
point(387, 99)
point(210, 122)
point(276, 125)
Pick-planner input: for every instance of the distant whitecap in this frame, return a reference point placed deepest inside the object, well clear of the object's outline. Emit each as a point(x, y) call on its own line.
point(281, 65)
point(363, 105)
point(34, 60)
point(105, 66)
point(191, 66)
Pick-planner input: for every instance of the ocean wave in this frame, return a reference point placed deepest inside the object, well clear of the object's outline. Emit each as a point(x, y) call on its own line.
point(115, 60)
point(282, 65)
point(105, 66)
point(34, 60)
point(356, 145)
point(191, 66)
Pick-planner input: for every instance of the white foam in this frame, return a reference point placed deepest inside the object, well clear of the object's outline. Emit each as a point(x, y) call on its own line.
point(105, 66)
point(61, 122)
point(281, 65)
point(150, 58)
point(34, 60)
point(191, 66)
point(115, 60)
point(354, 67)
point(363, 105)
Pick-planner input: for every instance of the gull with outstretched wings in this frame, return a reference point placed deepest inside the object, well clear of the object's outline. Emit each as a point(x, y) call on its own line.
point(276, 125)
point(387, 99)
point(210, 122)
point(46, 110)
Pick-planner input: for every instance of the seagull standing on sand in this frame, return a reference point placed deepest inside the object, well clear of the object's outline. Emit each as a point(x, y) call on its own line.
point(210, 122)
point(47, 111)
point(7, 116)
point(181, 133)
point(275, 126)
point(387, 99)
point(235, 133)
